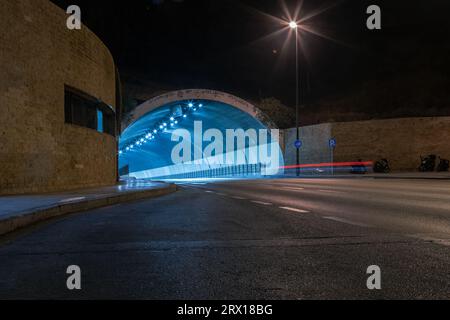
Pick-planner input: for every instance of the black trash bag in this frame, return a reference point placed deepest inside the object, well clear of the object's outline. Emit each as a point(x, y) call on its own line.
point(428, 163)
point(443, 165)
point(381, 166)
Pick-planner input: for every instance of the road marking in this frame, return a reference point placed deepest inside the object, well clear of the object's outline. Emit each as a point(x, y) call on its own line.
point(294, 209)
point(330, 191)
point(72, 199)
point(348, 221)
point(221, 194)
point(263, 203)
point(208, 191)
point(293, 188)
point(239, 198)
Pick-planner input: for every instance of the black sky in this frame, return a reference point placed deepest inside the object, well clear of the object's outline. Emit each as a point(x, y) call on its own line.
point(213, 43)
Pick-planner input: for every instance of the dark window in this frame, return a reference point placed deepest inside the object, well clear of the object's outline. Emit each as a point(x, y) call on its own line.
point(83, 110)
point(109, 119)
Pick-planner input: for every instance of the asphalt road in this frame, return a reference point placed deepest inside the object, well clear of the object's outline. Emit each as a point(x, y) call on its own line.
point(261, 239)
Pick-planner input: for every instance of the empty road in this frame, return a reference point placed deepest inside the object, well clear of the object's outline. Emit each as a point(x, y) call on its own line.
point(253, 239)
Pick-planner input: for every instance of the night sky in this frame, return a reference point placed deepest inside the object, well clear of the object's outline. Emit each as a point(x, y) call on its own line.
point(220, 45)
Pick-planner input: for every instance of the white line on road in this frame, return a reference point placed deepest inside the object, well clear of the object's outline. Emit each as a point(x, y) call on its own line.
point(221, 194)
point(293, 188)
point(72, 199)
point(263, 203)
point(294, 209)
point(209, 191)
point(239, 198)
point(330, 191)
point(348, 222)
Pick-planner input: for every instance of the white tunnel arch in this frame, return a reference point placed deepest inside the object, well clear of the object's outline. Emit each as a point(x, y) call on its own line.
point(197, 94)
point(145, 155)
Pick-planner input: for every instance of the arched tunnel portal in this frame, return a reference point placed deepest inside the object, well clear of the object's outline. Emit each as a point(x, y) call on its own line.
point(198, 134)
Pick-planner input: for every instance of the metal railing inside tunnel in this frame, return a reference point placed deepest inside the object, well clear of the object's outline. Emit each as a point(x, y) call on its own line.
point(242, 171)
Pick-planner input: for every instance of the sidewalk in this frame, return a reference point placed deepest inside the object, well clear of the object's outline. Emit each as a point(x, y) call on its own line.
point(22, 210)
point(399, 175)
point(411, 175)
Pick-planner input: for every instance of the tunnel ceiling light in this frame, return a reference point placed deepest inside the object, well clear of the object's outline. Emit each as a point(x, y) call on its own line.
point(146, 137)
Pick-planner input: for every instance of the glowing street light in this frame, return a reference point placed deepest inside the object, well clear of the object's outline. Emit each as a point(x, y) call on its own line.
point(294, 26)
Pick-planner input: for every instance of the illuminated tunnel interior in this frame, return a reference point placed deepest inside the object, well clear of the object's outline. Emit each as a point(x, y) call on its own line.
point(146, 147)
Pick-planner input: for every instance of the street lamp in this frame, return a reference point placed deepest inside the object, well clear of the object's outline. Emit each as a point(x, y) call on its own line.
point(294, 26)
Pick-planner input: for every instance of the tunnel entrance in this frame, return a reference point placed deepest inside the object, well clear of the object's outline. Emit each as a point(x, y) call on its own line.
point(198, 134)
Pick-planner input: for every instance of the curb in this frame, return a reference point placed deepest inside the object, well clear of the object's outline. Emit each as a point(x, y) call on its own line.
point(31, 217)
point(370, 176)
point(411, 177)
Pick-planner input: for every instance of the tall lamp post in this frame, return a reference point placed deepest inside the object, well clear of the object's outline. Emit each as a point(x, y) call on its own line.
point(294, 26)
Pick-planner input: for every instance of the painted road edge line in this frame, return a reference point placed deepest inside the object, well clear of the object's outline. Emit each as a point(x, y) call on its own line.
point(329, 191)
point(294, 209)
point(262, 202)
point(293, 188)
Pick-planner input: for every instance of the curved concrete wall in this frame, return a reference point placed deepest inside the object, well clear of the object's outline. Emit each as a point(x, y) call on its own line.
point(39, 55)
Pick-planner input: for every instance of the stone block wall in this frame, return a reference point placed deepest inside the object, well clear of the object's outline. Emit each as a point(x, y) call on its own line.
point(402, 141)
point(39, 55)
